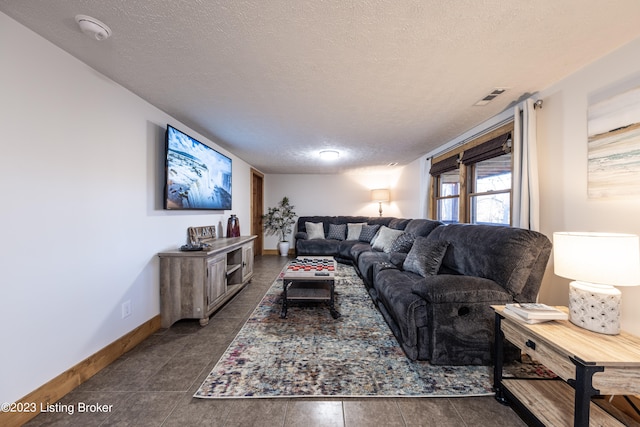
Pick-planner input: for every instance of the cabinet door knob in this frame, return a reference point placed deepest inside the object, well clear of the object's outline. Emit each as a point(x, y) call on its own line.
point(530, 344)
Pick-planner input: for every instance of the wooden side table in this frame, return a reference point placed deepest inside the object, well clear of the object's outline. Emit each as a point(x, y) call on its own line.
point(589, 363)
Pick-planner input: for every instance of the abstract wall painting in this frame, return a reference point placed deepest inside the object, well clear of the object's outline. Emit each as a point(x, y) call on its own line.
point(614, 146)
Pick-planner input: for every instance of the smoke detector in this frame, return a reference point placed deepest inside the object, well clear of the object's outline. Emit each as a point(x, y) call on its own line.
point(93, 28)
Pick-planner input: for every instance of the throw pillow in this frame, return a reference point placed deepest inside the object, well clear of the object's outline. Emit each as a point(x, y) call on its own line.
point(354, 229)
point(425, 256)
point(368, 232)
point(337, 231)
point(403, 243)
point(315, 230)
point(386, 236)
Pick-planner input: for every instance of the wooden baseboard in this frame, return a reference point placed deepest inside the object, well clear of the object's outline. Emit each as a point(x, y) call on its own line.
point(55, 389)
point(276, 252)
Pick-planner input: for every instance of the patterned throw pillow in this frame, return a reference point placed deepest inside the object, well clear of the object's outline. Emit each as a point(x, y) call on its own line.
point(386, 236)
point(337, 231)
point(403, 243)
point(354, 229)
point(425, 257)
point(315, 230)
point(368, 232)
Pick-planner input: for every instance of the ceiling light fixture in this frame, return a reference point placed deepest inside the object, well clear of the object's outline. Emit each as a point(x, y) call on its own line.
point(329, 155)
point(93, 28)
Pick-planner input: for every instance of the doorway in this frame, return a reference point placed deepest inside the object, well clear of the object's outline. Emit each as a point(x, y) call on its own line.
point(257, 210)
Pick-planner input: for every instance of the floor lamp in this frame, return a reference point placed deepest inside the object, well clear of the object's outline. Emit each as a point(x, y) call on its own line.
point(380, 195)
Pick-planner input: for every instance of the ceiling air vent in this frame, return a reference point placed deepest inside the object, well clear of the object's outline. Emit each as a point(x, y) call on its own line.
point(490, 97)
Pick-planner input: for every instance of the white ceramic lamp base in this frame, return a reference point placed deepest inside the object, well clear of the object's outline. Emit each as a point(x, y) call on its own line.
point(595, 307)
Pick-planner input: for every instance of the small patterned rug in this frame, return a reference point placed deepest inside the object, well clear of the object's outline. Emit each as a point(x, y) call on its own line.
point(311, 354)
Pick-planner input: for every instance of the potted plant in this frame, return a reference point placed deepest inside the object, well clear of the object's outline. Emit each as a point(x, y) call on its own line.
point(278, 222)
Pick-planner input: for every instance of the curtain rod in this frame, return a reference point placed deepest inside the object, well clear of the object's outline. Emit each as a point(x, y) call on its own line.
point(504, 117)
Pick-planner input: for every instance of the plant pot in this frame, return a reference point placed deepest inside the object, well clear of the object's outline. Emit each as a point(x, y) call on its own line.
point(283, 247)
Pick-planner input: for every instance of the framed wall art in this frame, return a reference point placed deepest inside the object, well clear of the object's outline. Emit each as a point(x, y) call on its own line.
point(614, 146)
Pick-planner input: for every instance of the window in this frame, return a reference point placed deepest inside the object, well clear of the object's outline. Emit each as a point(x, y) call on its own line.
point(472, 183)
point(448, 197)
point(490, 196)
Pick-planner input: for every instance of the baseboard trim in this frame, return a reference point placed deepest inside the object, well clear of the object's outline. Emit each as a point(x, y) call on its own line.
point(55, 389)
point(276, 252)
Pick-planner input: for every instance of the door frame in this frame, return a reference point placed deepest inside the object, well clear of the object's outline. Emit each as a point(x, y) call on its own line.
point(257, 209)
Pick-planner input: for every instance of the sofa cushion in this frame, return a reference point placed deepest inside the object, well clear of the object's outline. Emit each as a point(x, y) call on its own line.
point(397, 259)
point(368, 232)
point(357, 249)
point(337, 231)
point(366, 263)
point(398, 223)
point(386, 237)
point(354, 229)
point(323, 247)
point(315, 230)
point(445, 289)
point(425, 256)
point(403, 243)
point(421, 227)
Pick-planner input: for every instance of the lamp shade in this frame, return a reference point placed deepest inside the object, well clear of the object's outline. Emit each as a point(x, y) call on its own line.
point(600, 258)
point(380, 195)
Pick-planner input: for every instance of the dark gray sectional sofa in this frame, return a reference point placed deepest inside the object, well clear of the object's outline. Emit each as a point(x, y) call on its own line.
point(435, 291)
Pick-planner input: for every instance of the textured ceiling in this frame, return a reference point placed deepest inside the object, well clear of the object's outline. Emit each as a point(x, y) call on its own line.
point(381, 81)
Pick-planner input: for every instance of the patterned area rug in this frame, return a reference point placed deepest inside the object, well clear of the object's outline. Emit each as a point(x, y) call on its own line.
point(311, 354)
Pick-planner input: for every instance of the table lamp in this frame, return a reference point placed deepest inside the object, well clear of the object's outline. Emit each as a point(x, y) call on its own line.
point(596, 262)
point(380, 195)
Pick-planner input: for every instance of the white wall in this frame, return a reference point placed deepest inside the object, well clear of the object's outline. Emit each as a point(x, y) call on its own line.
point(81, 217)
point(344, 194)
point(562, 139)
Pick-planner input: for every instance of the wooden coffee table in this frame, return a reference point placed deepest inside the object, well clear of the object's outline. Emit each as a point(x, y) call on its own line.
point(309, 279)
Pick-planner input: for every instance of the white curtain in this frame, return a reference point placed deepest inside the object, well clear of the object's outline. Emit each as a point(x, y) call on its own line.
point(526, 199)
point(425, 200)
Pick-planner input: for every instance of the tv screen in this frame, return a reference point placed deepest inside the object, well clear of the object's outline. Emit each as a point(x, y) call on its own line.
point(197, 176)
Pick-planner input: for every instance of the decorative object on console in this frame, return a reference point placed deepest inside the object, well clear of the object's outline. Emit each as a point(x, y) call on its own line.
point(198, 235)
point(278, 221)
point(380, 195)
point(596, 262)
point(233, 226)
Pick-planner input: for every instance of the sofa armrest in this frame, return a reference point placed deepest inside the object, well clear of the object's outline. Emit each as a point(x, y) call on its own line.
point(448, 288)
point(301, 235)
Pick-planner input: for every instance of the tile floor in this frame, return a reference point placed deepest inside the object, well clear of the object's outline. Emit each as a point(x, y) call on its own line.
point(153, 384)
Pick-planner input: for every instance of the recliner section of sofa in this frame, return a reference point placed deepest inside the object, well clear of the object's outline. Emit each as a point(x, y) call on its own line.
point(445, 318)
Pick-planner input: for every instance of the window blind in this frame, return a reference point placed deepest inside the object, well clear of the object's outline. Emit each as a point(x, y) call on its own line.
point(493, 148)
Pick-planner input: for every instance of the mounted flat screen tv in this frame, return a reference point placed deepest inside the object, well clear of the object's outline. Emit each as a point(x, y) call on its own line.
point(197, 176)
